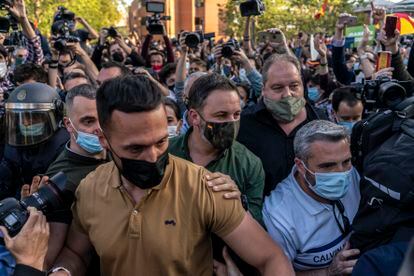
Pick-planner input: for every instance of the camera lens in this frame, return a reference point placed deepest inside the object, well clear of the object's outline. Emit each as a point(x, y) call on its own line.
point(49, 197)
point(227, 51)
point(192, 40)
point(60, 44)
point(391, 94)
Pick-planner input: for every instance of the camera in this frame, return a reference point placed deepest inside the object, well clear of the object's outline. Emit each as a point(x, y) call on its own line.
point(112, 32)
point(65, 15)
point(193, 39)
point(54, 196)
point(229, 47)
point(64, 35)
point(4, 4)
point(382, 93)
point(154, 23)
point(252, 8)
point(63, 29)
point(15, 38)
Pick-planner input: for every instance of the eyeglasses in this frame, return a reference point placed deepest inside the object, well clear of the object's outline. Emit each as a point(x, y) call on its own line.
point(345, 227)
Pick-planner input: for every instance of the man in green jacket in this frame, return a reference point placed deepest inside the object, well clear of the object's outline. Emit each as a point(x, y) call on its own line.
point(214, 113)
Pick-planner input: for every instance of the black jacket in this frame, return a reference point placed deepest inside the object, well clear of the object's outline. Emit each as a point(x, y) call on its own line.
point(261, 134)
point(20, 165)
point(24, 270)
point(342, 74)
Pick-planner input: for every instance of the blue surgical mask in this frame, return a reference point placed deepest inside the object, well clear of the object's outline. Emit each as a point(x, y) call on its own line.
point(313, 94)
point(172, 131)
point(347, 125)
point(243, 75)
point(332, 186)
point(226, 70)
point(32, 130)
point(242, 104)
point(405, 61)
point(356, 66)
point(88, 142)
point(19, 61)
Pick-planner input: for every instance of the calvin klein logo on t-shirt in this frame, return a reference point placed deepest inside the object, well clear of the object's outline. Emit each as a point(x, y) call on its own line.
point(170, 222)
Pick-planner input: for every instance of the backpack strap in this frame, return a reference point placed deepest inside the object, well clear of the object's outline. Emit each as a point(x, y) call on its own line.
point(408, 127)
point(406, 113)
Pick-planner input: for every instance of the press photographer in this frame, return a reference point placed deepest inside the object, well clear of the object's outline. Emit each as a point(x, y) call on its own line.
point(382, 151)
point(27, 51)
point(29, 246)
point(154, 58)
point(16, 216)
point(119, 51)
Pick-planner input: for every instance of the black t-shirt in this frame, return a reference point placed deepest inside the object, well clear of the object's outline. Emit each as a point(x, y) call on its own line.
point(76, 167)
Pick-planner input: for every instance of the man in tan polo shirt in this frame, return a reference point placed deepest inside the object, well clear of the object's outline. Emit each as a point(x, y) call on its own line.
point(148, 212)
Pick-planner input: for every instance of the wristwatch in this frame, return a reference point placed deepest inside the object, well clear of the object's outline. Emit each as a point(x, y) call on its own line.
point(60, 268)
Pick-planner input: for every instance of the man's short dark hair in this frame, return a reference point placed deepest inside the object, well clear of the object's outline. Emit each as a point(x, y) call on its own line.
point(167, 71)
point(344, 94)
point(126, 94)
point(112, 64)
point(156, 52)
point(275, 58)
point(174, 106)
point(84, 90)
point(199, 62)
point(203, 87)
point(75, 75)
point(27, 71)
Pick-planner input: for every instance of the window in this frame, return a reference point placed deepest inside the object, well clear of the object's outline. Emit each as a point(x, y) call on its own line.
point(199, 3)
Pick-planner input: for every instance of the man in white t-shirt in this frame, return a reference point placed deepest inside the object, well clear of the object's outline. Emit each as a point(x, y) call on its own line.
point(310, 212)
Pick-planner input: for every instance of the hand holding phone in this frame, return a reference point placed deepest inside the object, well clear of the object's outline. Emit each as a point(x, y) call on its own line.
point(390, 26)
point(348, 20)
point(272, 37)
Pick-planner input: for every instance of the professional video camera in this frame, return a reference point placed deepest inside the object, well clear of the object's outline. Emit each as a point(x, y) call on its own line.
point(382, 93)
point(229, 47)
point(63, 29)
point(193, 39)
point(153, 23)
point(252, 8)
point(53, 196)
point(65, 15)
point(15, 37)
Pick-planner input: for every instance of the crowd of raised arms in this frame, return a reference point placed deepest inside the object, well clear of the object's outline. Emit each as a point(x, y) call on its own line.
point(177, 155)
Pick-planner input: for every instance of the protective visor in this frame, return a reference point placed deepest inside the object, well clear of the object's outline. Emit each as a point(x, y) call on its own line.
point(31, 125)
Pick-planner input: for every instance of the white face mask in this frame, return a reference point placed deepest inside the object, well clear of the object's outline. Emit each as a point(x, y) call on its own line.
point(172, 131)
point(3, 69)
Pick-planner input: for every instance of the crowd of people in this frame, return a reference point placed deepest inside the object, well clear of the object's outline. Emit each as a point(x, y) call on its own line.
point(226, 157)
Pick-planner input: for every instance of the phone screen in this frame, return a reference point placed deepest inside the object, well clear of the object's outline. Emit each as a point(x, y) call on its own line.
point(390, 25)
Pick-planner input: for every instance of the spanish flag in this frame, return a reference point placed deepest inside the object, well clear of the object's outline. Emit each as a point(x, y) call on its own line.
point(405, 23)
point(321, 12)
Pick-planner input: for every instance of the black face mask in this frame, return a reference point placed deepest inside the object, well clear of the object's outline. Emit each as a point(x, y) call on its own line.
point(221, 135)
point(117, 56)
point(143, 174)
point(171, 87)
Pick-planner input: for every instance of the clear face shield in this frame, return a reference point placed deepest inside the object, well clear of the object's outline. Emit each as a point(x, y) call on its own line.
point(29, 124)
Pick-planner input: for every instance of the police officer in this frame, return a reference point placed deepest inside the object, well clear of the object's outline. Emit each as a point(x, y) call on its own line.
point(34, 136)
